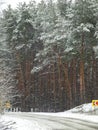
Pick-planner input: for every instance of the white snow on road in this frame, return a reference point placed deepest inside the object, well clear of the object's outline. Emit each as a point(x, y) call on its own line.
point(83, 112)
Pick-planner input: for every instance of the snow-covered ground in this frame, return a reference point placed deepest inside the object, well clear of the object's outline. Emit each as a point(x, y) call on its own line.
point(29, 121)
point(20, 123)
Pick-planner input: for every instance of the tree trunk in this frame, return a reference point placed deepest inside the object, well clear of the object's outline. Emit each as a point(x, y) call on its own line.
point(68, 86)
point(82, 81)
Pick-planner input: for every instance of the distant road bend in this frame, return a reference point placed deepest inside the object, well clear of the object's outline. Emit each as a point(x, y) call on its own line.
point(56, 123)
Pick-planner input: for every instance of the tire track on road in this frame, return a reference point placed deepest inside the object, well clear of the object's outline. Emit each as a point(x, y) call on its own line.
point(59, 123)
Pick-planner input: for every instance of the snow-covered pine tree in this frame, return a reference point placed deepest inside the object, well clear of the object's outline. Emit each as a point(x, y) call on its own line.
point(81, 38)
point(8, 90)
point(54, 36)
point(8, 25)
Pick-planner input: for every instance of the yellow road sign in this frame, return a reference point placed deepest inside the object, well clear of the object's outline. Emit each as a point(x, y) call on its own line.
point(8, 105)
point(95, 103)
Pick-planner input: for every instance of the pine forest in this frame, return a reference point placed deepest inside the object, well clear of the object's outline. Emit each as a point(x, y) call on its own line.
point(49, 54)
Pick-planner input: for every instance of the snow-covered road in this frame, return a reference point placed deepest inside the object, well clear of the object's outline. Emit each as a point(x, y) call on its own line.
point(48, 122)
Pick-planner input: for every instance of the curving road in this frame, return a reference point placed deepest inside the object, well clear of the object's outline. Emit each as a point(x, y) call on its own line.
point(45, 122)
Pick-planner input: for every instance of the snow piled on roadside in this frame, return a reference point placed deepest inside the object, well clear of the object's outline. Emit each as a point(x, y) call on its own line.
point(20, 123)
point(84, 108)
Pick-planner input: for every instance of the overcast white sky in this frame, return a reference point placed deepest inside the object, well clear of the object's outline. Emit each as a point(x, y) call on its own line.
point(15, 2)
